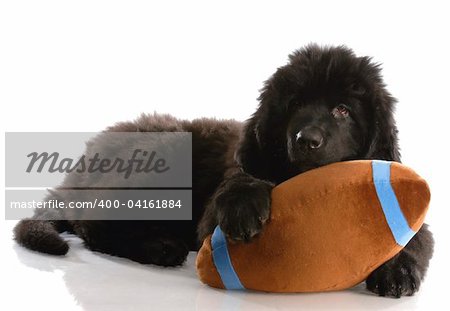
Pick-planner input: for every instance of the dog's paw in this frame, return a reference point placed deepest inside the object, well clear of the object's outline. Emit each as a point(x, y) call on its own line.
point(394, 281)
point(165, 252)
point(242, 208)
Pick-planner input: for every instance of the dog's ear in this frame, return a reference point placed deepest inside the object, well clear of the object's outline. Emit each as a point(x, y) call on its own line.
point(383, 141)
point(253, 153)
point(248, 154)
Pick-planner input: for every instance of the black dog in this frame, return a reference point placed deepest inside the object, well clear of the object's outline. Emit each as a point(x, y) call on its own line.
point(326, 105)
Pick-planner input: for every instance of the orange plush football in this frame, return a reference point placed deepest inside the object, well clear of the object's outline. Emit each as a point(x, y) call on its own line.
point(329, 228)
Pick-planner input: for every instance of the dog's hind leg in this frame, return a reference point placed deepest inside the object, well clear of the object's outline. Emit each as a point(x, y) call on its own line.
point(142, 244)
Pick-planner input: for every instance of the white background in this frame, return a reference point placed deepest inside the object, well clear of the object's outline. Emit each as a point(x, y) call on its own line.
point(83, 65)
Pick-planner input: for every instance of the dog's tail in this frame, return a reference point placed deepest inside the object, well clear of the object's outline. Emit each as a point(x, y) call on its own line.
point(42, 235)
point(41, 232)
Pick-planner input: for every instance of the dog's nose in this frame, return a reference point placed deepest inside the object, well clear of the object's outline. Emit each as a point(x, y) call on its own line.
point(310, 137)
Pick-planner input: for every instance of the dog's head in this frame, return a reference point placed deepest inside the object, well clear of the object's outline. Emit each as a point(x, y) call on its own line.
point(326, 105)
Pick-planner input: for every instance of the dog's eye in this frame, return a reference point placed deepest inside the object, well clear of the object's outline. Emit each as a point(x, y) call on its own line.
point(340, 111)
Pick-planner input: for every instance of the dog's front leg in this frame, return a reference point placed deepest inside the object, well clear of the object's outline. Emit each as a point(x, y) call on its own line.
point(240, 206)
point(402, 275)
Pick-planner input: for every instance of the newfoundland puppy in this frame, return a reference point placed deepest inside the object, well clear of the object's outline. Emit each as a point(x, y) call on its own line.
point(326, 105)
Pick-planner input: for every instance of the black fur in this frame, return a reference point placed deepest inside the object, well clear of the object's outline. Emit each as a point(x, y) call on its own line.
point(325, 105)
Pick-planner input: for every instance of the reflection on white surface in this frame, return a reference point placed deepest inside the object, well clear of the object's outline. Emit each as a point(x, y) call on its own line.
point(93, 281)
